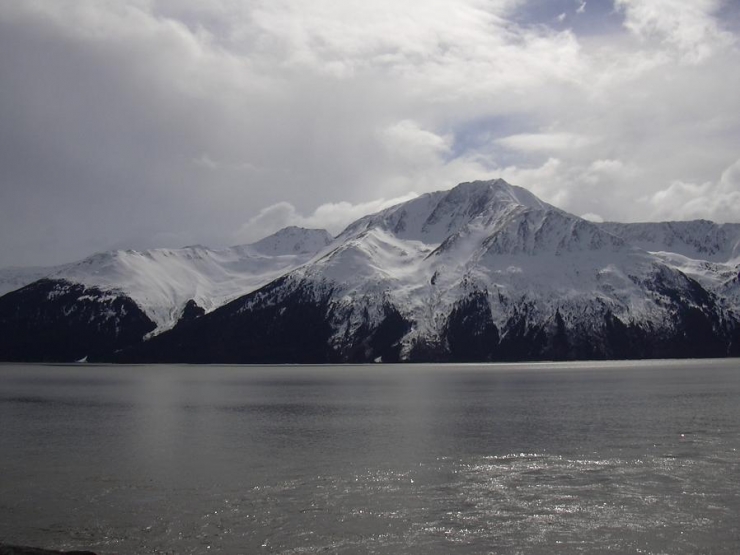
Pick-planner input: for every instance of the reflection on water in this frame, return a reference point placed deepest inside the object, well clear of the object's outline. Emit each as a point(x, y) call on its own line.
point(559, 458)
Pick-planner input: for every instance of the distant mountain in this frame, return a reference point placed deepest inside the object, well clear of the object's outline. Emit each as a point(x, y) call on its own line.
point(16, 277)
point(162, 281)
point(704, 251)
point(59, 321)
point(163, 285)
point(697, 239)
point(291, 241)
point(483, 272)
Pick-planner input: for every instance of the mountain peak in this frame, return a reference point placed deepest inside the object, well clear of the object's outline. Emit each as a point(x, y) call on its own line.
point(293, 240)
point(433, 217)
point(496, 190)
point(476, 197)
point(482, 185)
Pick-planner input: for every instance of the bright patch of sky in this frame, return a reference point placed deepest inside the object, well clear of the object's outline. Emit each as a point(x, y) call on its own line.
point(480, 135)
point(594, 17)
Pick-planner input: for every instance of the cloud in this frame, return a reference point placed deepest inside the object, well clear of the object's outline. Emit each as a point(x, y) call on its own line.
point(592, 217)
point(687, 26)
point(549, 181)
point(150, 122)
point(610, 172)
point(408, 142)
point(334, 217)
point(206, 162)
point(545, 141)
point(607, 166)
point(718, 200)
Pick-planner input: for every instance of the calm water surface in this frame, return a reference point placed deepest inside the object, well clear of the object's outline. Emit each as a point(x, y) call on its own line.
point(515, 459)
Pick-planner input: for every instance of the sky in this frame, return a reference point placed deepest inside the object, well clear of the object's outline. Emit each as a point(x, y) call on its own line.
point(165, 123)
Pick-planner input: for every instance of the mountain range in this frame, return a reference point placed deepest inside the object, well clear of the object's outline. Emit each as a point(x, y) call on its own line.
point(483, 272)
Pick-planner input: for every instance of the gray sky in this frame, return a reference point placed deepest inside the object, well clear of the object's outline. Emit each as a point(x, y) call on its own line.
point(145, 123)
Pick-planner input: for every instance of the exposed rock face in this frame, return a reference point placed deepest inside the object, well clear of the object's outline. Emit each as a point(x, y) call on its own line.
point(191, 311)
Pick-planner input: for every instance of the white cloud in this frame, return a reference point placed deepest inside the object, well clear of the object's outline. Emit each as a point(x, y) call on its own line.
point(333, 217)
point(688, 26)
point(206, 162)
point(607, 166)
point(610, 172)
point(592, 217)
point(407, 141)
point(545, 141)
point(718, 200)
point(555, 181)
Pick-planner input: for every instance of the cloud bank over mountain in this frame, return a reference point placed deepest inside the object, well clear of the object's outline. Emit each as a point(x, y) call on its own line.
point(149, 123)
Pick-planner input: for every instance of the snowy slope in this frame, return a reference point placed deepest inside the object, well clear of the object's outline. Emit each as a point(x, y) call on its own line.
point(13, 278)
point(484, 271)
point(291, 241)
point(722, 279)
point(696, 239)
point(162, 281)
point(428, 255)
point(705, 251)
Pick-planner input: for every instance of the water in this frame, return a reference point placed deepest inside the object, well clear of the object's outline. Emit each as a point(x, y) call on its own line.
point(514, 459)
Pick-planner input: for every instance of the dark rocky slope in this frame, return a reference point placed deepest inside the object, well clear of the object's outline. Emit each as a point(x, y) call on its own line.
point(58, 321)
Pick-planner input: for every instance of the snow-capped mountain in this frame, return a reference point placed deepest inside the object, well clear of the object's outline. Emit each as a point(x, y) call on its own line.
point(16, 277)
point(163, 281)
point(485, 271)
point(697, 239)
point(434, 217)
point(703, 250)
point(292, 241)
